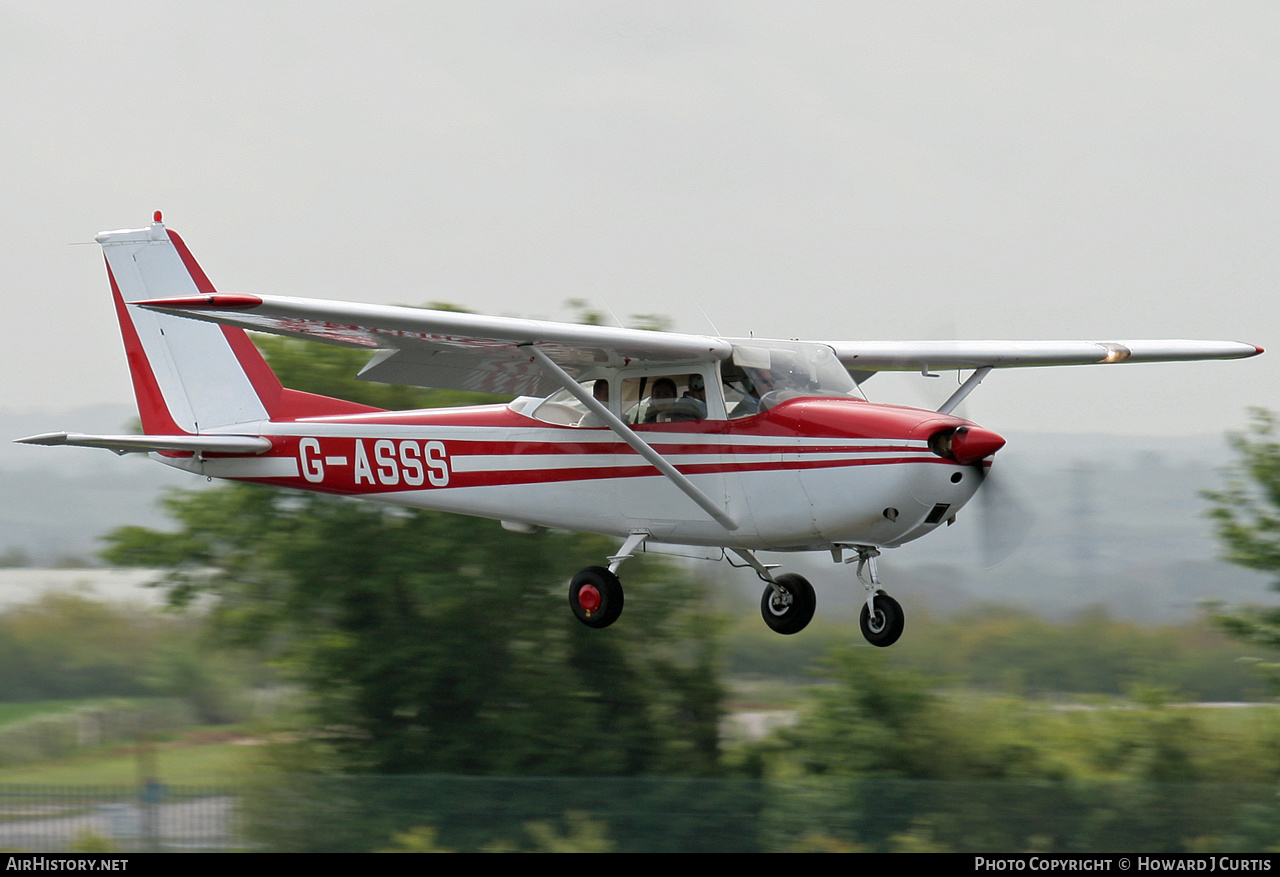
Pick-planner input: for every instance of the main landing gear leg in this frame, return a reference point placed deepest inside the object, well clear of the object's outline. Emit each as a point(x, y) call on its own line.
point(595, 594)
point(881, 619)
point(788, 603)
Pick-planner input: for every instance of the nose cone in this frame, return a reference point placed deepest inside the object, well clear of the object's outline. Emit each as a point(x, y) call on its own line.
point(969, 444)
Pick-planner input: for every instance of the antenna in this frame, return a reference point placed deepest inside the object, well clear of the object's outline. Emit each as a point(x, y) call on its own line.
point(714, 330)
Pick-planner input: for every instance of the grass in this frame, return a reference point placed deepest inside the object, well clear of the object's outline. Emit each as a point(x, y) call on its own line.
point(194, 755)
point(17, 712)
point(204, 755)
point(191, 756)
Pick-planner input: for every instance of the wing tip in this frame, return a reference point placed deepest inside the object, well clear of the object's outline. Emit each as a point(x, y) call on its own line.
point(45, 438)
point(229, 301)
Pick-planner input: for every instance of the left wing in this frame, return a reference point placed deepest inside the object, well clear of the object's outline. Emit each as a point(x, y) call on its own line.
point(461, 351)
point(864, 358)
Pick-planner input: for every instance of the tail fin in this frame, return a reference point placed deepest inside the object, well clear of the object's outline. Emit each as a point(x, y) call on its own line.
point(190, 376)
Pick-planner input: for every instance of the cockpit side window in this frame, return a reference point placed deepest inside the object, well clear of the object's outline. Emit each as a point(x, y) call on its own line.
point(665, 398)
point(654, 397)
point(564, 409)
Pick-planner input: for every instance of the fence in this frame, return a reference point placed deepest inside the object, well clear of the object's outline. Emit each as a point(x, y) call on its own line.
point(350, 814)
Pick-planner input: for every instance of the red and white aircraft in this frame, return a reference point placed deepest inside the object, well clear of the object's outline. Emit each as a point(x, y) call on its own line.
point(681, 444)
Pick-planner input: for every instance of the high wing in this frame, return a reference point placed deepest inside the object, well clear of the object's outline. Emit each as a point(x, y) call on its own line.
point(464, 351)
point(865, 358)
point(461, 351)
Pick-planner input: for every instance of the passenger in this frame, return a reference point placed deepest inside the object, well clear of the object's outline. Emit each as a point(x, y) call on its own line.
point(600, 392)
point(661, 399)
point(693, 404)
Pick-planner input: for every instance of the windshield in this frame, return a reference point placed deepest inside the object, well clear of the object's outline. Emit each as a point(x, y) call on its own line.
point(763, 373)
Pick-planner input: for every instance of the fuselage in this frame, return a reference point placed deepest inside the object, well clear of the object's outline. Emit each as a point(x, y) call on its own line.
point(807, 473)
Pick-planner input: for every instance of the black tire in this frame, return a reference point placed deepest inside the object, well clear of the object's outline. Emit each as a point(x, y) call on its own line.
point(887, 625)
point(793, 610)
point(592, 584)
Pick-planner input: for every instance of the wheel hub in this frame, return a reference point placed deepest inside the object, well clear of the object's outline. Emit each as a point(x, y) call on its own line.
point(780, 603)
point(876, 622)
point(588, 598)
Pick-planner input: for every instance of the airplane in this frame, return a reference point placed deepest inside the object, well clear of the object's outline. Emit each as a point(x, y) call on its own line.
point(691, 445)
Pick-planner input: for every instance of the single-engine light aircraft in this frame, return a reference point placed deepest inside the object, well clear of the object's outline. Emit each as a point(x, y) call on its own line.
point(683, 444)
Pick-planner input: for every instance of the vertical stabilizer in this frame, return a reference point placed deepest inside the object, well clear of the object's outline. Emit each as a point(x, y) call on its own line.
point(187, 376)
point(190, 376)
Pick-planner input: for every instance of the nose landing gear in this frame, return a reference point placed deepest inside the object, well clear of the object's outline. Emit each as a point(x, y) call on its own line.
point(881, 619)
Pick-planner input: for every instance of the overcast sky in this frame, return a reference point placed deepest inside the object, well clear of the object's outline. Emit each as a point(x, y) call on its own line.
point(843, 170)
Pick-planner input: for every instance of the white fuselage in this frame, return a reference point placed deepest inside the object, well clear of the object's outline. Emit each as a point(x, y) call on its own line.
point(786, 487)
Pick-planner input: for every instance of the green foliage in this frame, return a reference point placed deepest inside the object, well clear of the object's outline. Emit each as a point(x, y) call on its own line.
point(587, 315)
point(432, 642)
point(998, 648)
point(342, 813)
point(90, 842)
point(1246, 515)
point(65, 646)
point(419, 839)
point(874, 720)
point(582, 834)
point(331, 371)
point(1246, 512)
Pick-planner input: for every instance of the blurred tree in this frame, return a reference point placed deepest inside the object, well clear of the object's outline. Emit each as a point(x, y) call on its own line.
point(874, 720)
point(1246, 514)
point(439, 643)
point(331, 371)
point(64, 645)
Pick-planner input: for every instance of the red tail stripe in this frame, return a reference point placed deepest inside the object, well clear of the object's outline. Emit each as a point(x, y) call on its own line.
point(152, 409)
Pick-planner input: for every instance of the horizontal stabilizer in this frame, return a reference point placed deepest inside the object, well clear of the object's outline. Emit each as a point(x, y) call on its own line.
point(141, 444)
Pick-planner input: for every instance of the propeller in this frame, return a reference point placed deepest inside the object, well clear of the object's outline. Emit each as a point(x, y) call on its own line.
point(1005, 519)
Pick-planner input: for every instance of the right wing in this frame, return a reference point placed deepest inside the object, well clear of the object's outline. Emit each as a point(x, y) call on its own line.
point(462, 351)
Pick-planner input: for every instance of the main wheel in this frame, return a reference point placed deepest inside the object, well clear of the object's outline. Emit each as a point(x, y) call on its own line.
point(595, 596)
point(788, 612)
point(884, 628)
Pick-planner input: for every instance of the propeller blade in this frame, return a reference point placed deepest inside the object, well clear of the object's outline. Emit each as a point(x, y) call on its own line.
point(1006, 520)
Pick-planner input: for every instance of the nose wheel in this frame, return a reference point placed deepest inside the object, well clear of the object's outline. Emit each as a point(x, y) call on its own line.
point(881, 619)
point(595, 596)
point(882, 625)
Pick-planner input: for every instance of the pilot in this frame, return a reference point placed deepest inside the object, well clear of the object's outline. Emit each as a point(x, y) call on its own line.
point(693, 404)
point(758, 382)
point(661, 399)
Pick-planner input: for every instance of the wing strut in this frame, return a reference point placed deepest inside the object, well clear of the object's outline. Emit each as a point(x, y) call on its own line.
point(964, 390)
point(625, 433)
